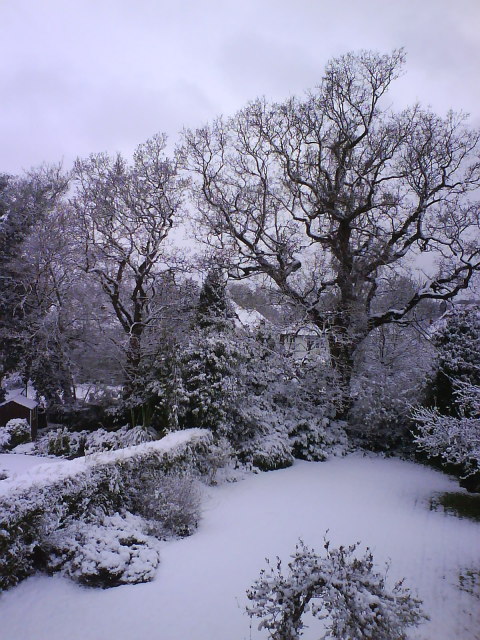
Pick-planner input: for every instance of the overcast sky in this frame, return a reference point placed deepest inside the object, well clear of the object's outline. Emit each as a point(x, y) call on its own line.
point(81, 76)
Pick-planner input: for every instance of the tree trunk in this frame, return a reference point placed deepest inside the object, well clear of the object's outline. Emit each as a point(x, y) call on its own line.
point(342, 350)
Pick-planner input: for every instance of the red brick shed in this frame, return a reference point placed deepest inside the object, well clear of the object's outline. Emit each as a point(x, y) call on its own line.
point(20, 407)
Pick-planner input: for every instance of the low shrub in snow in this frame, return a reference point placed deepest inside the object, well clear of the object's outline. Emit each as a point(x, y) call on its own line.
point(59, 442)
point(72, 444)
point(170, 504)
point(36, 504)
point(455, 439)
point(15, 432)
point(380, 415)
point(267, 452)
point(104, 553)
point(317, 439)
point(293, 434)
point(271, 452)
point(342, 588)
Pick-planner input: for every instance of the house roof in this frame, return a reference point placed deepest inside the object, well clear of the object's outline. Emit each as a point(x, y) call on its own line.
point(247, 318)
point(302, 330)
point(20, 399)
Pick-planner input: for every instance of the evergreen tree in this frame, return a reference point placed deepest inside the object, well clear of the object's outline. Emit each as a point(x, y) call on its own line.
point(213, 311)
point(210, 363)
point(24, 202)
point(458, 345)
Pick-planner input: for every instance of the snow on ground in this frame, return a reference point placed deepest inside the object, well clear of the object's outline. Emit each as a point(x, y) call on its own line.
point(199, 590)
point(15, 464)
point(40, 473)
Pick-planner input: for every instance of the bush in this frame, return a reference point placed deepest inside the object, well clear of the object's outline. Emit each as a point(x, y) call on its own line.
point(72, 444)
point(4, 439)
point(316, 439)
point(348, 592)
point(59, 443)
point(49, 498)
point(457, 340)
point(106, 553)
point(15, 432)
point(456, 440)
point(380, 417)
point(268, 452)
point(170, 504)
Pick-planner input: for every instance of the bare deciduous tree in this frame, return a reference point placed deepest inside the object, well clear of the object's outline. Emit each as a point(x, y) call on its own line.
point(125, 213)
point(325, 195)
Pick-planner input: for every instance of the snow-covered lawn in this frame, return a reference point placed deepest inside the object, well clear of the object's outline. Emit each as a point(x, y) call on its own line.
point(15, 464)
point(199, 590)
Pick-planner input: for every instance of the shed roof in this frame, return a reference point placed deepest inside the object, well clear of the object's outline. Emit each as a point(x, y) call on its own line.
point(20, 399)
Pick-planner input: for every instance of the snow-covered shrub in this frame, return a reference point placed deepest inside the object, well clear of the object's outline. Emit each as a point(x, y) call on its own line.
point(71, 444)
point(4, 439)
point(269, 452)
point(130, 436)
point(316, 439)
point(35, 505)
point(345, 590)
point(380, 415)
point(170, 503)
point(19, 430)
point(104, 553)
point(455, 439)
point(219, 456)
point(58, 443)
point(15, 432)
point(457, 340)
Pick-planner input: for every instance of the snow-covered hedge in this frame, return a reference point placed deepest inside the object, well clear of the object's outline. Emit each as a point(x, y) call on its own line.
point(72, 444)
point(50, 498)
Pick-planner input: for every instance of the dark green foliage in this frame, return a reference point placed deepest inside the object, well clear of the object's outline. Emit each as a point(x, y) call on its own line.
point(213, 309)
point(462, 505)
point(458, 345)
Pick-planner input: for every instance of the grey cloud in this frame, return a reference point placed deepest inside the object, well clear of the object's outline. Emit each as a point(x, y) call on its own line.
point(85, 76)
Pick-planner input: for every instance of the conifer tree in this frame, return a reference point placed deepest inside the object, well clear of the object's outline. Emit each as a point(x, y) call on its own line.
point(210, 363)
point(458, 345)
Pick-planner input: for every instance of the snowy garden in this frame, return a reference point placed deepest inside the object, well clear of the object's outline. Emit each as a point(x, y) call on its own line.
point(277, 436)
point(199, 589)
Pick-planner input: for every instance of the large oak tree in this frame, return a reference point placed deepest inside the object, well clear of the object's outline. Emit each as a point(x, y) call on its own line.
point(327, 195)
